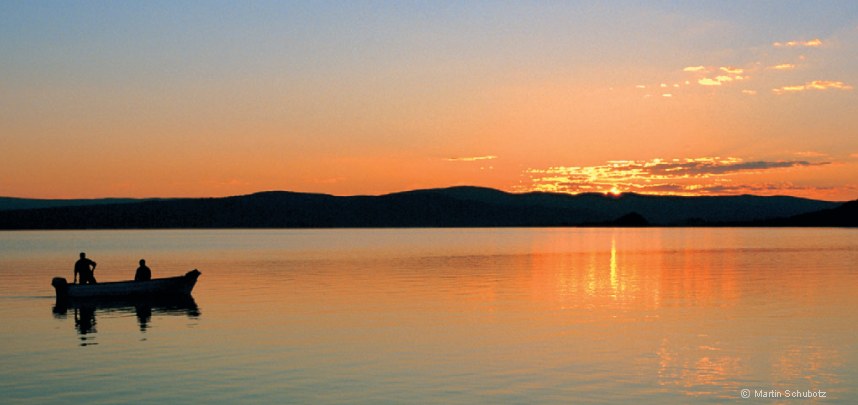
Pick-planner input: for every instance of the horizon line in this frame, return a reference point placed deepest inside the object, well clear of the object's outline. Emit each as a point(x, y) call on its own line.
point(607, 194)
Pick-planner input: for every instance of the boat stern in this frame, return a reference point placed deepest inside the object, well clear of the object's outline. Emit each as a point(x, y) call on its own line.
point(61, 286)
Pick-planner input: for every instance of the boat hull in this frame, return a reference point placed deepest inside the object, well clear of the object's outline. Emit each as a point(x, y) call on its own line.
point(181, 285)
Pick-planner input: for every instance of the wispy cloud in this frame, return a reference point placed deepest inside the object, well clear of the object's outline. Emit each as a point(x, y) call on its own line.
point(813, 43)
point(732, 70)
point(693, 176)
point(709, 82)
point(759, 71)
point(471, 159)
point(722, 75)
point(703, 167)
point(814, 85)
point(718, 80)
point(783, 66)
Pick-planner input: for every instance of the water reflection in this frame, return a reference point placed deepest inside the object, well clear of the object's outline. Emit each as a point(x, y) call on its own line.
point(703, 322)
point(540, 316)
point(84, 311)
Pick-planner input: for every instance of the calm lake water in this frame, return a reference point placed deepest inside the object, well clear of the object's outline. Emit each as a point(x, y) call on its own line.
point(438, 316)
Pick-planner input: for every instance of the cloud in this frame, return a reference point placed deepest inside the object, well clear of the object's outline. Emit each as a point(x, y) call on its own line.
point(784, 188)
point(471, 159)
point(703, 167)
point(718, 80)
point(750, 92)
point(709, 82)
point(824, 85)
point(814, 85)
point(728, 74)
point(783, 66)
point(693, 176)
point(813, 43)
point(710, 76)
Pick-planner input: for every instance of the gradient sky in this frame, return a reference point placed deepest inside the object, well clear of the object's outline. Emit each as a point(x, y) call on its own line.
point(205, 98)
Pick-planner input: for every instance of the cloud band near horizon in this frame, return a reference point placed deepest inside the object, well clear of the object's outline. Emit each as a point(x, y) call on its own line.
point(693, 176)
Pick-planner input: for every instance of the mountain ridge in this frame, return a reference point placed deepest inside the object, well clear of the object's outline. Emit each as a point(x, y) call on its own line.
point(461, 206)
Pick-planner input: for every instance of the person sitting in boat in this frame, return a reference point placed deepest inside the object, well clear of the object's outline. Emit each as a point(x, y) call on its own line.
point(143, 272)
point(86, 269)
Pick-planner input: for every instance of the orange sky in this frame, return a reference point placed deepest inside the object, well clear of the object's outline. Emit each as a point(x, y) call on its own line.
point(174, 100)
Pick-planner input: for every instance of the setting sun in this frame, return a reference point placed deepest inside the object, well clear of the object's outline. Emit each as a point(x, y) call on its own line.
point(615, 191)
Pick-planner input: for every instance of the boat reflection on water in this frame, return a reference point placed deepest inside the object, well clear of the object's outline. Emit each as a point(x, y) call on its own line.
point(84, 311)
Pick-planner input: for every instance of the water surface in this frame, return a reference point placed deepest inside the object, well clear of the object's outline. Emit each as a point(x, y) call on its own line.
point(437, 316)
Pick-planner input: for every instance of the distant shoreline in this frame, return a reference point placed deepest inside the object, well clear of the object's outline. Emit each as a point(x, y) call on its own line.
point(457, 207)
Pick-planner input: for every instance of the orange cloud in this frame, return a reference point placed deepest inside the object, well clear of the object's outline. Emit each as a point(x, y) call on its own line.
point(719, 80)
point(703, 75)
point(783, 66)
point(729, 74)
point(732, 70)
point(693, 176)
point(813, 43)
point(709, 82)
point(814, 85)
point(471, 159)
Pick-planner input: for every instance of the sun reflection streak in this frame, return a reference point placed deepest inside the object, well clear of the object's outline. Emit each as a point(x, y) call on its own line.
point(614, 282)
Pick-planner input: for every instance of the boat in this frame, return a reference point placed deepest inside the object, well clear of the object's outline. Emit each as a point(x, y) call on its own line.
point(170, 286)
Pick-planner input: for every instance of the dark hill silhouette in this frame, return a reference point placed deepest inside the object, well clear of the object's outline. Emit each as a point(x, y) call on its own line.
point(845, 215)
point(12, 203)
point(632, 219)
point(661, 210)
point(449, 207)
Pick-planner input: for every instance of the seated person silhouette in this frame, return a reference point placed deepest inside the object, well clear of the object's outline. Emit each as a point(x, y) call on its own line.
point(86, 269)
point(143, 273)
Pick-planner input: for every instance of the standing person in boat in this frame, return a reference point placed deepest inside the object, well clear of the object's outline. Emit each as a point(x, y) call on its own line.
point(86, 269)
point(143, 272)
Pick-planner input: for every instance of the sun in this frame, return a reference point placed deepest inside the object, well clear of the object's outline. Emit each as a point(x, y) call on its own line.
point(615, 191)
